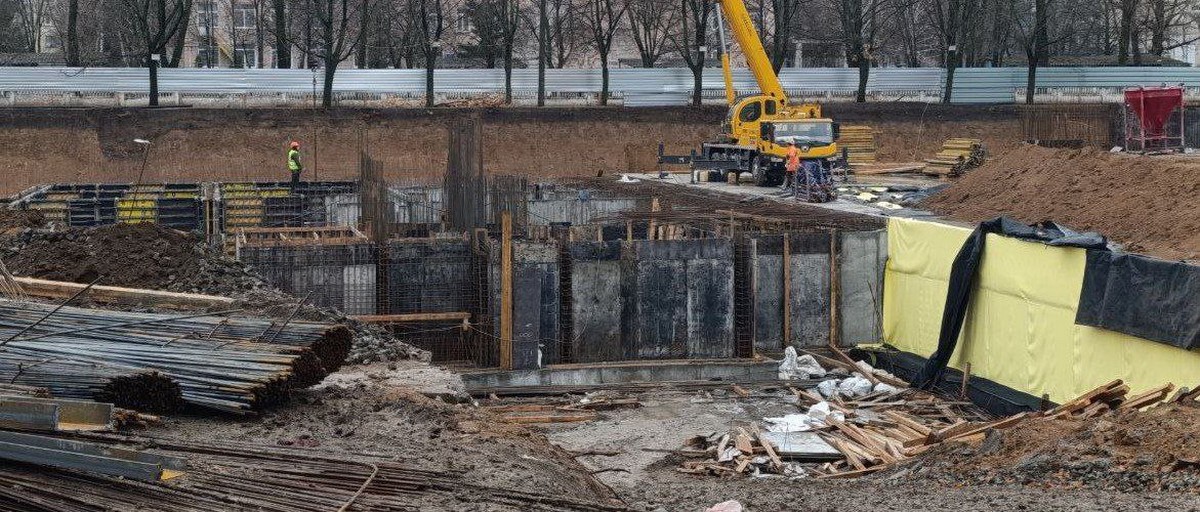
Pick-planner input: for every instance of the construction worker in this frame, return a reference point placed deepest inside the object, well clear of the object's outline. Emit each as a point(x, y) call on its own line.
point(791, 163)
point(294, 165)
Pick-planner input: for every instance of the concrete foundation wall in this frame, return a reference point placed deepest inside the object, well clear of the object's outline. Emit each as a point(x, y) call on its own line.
point(536, 302)
point(678, 299)
point(596, 301)
point(427, 275)
point(808, 284)
point(862, 259)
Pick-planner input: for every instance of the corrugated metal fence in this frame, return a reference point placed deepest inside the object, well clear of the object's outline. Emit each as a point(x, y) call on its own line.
point(632, 86)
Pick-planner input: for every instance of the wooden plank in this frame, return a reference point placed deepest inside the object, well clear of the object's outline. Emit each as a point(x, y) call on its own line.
point(414, 317)
point(1150, 397)
point(119, 295)
point(996, 425)
point(506, 291)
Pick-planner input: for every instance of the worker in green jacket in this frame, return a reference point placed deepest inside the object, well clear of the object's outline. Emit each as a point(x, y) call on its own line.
point(294, 165)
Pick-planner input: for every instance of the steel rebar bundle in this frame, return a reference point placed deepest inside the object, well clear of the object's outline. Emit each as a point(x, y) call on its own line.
point(157, 363)
point(237, 476)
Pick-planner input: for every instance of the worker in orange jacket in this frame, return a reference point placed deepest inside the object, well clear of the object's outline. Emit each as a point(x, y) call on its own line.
point(791, 163)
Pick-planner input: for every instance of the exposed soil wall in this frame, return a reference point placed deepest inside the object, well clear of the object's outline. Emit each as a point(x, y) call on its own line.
point(41, 145)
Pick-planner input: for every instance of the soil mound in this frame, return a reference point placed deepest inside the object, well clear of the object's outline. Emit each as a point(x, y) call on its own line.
point(133, 255)
point(1131, 451)
point(1146, 203)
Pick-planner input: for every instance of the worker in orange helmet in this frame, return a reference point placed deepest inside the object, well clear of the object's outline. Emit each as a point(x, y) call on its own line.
point(294, 165)
point(791, 163)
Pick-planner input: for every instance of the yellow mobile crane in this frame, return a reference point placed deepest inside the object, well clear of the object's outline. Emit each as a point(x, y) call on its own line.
point(759, 126)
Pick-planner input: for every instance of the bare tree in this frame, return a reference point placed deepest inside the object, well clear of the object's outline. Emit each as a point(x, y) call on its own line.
point(948, 18)
point(511, 14)
point(1166, 19)
point(72, 39)
point(785, 24)
point(689, 41)
point(429, 24)
point(156, 23)
point(331, 37)
point(650, 22)
point(860, 22)
point(1033, 34)
point(1126, 38)
point(236, 30)
point(32, 14)
point(283, 49)
point(602, 19)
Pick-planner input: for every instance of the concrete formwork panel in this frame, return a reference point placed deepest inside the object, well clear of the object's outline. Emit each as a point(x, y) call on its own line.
point(862, 258)
point(536, 302)
point(808, 275)
point(428, 275)
point(678, 299)
point(596, 301)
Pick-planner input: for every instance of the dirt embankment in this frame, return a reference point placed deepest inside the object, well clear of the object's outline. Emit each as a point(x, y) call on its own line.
point(96, 145)
point(1147, 203)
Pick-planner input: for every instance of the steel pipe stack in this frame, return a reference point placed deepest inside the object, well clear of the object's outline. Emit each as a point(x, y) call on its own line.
point(158, 363)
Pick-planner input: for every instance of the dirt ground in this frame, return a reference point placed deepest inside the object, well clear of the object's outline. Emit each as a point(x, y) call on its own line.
point(1147, 203)
point(666, 419)
point(362, 410)
point(44, 145)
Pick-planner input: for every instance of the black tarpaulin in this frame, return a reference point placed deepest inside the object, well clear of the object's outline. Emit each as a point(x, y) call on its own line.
point(1145, 297)
point(966, 267)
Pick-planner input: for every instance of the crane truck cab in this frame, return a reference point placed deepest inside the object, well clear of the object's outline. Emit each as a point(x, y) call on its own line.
point(756, 132)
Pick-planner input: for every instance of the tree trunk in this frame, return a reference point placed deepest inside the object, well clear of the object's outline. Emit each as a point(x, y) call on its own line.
point(951, 65)
point(327, 90)
point(543, 51)
point(1126, 31)
point(604, 79)
point(697, 84)
point(283, 50)
point(73, 32)
point(430, 61)
point(1031, 79)
point(508, 62)
point(864, 73)
point(153, 80)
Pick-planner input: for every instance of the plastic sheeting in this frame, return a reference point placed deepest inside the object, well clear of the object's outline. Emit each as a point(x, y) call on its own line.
point(1020, 327)
point(1145, 297)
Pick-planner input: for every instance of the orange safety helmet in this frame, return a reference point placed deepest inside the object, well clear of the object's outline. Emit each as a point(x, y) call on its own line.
point(295, 145)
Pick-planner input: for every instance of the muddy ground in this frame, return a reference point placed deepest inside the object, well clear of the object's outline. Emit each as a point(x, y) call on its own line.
point(381, 408)
point(45, 145)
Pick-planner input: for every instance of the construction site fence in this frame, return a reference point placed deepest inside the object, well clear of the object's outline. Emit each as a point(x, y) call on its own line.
point(1020, 329)
point(235, 88)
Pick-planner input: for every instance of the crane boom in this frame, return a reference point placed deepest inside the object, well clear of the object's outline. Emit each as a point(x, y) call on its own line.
point(742, 29)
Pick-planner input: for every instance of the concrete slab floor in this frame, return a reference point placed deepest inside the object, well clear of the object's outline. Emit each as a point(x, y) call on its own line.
point(844, 203)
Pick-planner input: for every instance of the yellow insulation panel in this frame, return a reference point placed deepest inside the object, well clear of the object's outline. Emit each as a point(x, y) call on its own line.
point(1020, 327)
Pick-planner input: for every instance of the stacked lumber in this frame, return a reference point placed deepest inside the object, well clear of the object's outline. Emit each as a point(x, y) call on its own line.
point(159, 363)
point(859, 143)
point(956, 157)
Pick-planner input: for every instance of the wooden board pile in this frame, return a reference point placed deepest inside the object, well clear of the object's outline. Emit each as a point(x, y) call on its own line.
point(879, 432)
point(158, 363)
point(956, 157)
point(859, 143)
